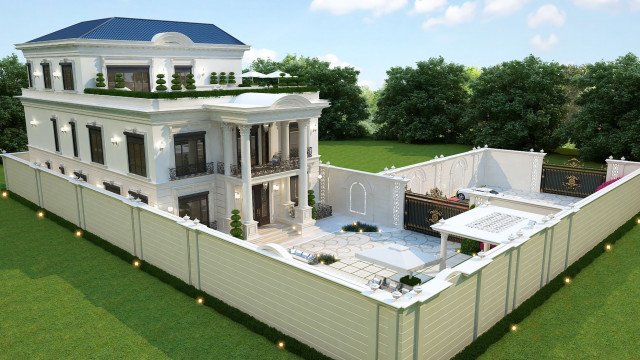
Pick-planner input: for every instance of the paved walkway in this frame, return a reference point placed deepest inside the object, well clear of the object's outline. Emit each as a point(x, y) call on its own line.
point(540, 197)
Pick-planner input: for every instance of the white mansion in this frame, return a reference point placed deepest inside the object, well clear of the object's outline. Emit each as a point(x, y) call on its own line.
point(200, 157)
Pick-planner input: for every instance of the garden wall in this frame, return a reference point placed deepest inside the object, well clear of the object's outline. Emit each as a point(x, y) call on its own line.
point(341, 319)
point(362, 195)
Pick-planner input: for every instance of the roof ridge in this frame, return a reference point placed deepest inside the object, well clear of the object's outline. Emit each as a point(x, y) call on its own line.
point(96, 27)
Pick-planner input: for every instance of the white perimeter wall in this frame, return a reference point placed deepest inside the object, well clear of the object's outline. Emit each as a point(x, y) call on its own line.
point(330, 313)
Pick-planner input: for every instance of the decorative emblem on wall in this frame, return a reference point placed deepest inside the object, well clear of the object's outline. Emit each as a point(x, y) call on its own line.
point(571, 182)
point(435, 216)
point(436, 193)
point(574, 163)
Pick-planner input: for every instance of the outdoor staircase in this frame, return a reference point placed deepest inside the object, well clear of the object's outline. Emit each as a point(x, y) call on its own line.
point(285, 234)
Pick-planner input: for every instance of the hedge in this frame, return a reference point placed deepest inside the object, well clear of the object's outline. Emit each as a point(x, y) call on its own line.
point(292, 345)
point(195, 93)
point(502, 327)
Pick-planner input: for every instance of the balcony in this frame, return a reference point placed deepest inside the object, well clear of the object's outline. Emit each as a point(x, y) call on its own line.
point(264, 169)
point(191, 170)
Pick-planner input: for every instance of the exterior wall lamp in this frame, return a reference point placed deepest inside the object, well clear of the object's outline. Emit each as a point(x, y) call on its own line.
point(36, 74)
point(65, 128)
point(34, 123)
point(57, 75)
point(236, 195)
point(115, 141)
point(161, 145)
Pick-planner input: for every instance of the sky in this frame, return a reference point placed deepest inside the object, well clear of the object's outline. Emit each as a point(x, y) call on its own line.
point(372, 35)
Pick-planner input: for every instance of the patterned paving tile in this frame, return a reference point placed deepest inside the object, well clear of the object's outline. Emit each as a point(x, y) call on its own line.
point(360, 264)
point(349, 269)
point(362, 273)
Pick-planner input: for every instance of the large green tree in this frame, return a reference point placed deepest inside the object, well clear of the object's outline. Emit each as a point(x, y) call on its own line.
point(423, 104)
point(339, 85)
point(517, 105)
point(13, 77)
point(608, 119)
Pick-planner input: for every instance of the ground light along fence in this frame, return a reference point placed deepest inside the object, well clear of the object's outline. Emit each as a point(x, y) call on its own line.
point(340, 319)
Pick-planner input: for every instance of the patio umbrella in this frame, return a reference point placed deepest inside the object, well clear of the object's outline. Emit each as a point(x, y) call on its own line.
point(254, 74)
point(399, 258)
point(276, 74)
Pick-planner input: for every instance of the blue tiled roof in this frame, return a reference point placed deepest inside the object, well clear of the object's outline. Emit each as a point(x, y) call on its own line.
point(118, 28)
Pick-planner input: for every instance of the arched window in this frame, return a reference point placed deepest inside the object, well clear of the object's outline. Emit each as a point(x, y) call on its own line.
point(358, 198)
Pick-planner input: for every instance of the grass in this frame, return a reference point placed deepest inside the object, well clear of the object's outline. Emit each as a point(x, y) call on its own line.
point(594, 317)
point(64, 297)
point(374, 155)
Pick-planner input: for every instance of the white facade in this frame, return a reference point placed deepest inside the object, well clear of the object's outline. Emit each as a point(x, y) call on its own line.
point(229, 129)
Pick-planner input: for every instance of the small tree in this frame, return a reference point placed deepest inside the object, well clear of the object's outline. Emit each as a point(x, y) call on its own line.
point(213, 79)
point(469, 247)
point(312, 201)
point(161, 81)
point(223, 78)
point(190, 82)
point(232, 78)
point(100, 80)
point(177, 82)
point(236, 225)
point(119, 81)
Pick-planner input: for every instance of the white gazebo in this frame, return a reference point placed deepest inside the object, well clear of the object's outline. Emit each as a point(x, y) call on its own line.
point(491, 225)
point(254, 74)
point(276, 74)
point(398, 258)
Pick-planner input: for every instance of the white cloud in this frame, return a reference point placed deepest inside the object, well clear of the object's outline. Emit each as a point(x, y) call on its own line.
point(541, 43)
point(547, 14)
point(335, 61)
point(454, 15)
point(254, 53)
point(341, 7)
point(634, 4)
point(593, 4)
point(503, 7)
point(368, 83)
point(427, 6)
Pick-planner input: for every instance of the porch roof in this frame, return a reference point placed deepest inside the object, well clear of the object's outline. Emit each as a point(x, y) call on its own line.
point(490, 224)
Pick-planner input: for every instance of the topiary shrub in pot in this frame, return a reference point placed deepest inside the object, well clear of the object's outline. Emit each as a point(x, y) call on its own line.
point(232, 78)
point(213, 79)
point(223, 78)
point(160, 81)
point(191, 82)
point(311, 198)
point(119, 81)
point(100, 80)
point(236, 225)
point(177, 82)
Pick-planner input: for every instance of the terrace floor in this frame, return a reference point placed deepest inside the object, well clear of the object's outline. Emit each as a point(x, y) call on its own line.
point(538, 197)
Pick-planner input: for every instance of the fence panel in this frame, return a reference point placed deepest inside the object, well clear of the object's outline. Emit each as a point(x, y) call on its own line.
point(422, 211)
point(571, 180)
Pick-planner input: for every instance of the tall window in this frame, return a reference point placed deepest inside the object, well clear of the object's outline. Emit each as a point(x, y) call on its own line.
point(135, 152)
point(136, 78)
point(30, 73)
point(293, 140)
point(138, 195)
point(195, 206)
point(74, 138)
point(56, 142)
point(46, 75)
point(109, 186)
point(67, 76)
point(190, 153)
point(95, 144)
point(183, 71)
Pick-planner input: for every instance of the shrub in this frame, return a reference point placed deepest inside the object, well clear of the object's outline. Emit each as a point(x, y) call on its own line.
point(410, 280)
point(119, 81)
point(213, 79)
point(190, 82)
point(469, 247)
point(223, 78)
point(360, 227)
point(246, 82)
point(194, 93)
point(177, 82)
point(236, 225)
point(100, 80)
point(232, 78)
point(311, 198)
point(326, 259)
point(161, 81)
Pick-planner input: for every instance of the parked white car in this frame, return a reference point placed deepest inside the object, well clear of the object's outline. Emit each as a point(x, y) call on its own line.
point(465, 193)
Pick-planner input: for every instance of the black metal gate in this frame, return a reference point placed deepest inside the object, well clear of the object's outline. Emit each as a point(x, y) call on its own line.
point(571, 179)
point(422, 211)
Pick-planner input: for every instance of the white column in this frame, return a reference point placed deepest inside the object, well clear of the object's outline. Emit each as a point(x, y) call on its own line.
point(245, 159)
point(486, 247)
point(284, 140)
point(303, 178)
point(227, 152)
point(261, 136)
point(443, 250)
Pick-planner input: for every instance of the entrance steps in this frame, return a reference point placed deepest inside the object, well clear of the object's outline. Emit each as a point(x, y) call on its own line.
point(286, 234)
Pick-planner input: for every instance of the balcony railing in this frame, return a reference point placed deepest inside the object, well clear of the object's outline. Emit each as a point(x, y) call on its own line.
point(293, 152)
point(191, 170)
point(264, 169)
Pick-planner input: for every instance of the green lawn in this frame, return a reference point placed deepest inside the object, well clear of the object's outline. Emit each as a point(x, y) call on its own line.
point(595, 317)
point(374, 155)
point(63, 297)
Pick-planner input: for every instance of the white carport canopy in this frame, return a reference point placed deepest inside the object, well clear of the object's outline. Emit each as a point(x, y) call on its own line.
point(276, 74)
point(399, 258)
point(254, 74)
